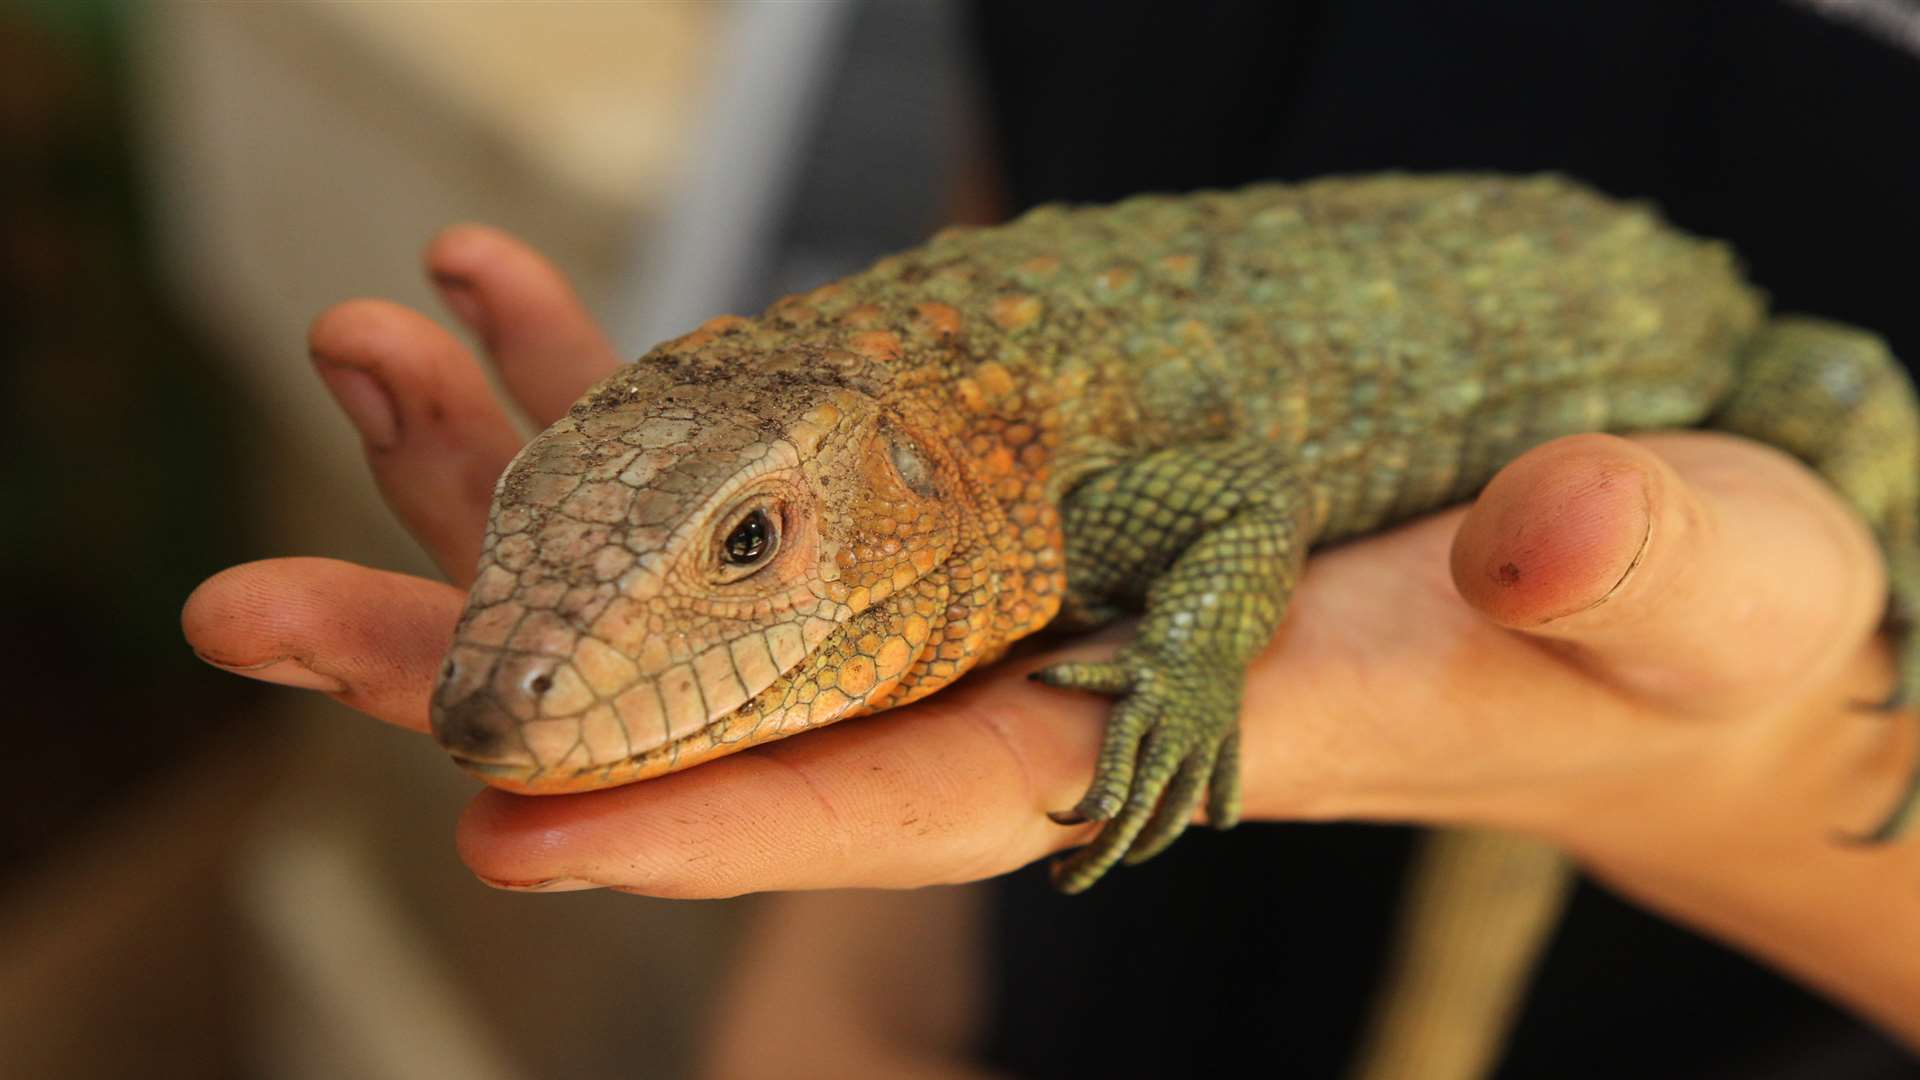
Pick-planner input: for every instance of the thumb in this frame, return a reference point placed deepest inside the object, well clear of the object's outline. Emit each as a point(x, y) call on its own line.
point(1694, 567)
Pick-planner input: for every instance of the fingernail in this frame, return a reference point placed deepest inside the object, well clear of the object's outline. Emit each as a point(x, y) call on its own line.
point(364, 401)
point(284, 670)
point(558, 884)
point(464, 299)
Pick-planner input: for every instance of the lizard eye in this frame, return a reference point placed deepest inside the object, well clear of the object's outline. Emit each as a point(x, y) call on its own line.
point(751, 539)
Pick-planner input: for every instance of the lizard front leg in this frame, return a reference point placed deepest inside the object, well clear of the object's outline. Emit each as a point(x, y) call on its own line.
point(1211, 539)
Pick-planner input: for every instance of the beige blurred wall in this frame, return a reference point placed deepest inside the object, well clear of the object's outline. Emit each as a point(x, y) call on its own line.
point(304, 154)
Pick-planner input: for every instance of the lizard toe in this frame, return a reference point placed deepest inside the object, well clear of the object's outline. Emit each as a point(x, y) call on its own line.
point(1171, 743)
point(1112, 679)
point(1175, 812)
point(1223, 788)
point(1078, 871)
point(1113, 773)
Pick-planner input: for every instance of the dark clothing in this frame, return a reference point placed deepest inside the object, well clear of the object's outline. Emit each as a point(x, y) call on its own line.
point(1793, 134)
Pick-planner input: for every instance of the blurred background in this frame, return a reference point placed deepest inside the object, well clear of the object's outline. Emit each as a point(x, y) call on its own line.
point(210, 877)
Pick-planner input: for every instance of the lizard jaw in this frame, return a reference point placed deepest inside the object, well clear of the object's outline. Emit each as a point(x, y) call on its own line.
point(736, 730)
point(792, 702)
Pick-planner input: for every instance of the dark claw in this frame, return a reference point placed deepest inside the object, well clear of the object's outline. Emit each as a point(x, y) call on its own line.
point(1896, 825)
point(1098, 807)
point(1057, 870)
point(1067, 817)
point(1892, 703)
point(1875, 838)
point(1888, 831)
point(1051, 675)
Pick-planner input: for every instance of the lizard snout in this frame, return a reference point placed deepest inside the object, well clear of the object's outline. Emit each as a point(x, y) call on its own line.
point(476, 731)
point(477, 709)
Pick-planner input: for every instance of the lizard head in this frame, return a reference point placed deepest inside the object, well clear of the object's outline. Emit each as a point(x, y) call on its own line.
point(686, 565)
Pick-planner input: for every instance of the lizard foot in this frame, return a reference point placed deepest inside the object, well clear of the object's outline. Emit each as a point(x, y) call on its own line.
point(1902, 617)
point(1173, 738)
point(1906, 812)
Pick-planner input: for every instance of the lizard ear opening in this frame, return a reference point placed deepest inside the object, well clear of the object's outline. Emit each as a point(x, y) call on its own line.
point(911, 462)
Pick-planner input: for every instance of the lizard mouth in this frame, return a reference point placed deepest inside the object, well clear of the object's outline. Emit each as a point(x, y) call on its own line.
point(507, 770)
point(792, 701)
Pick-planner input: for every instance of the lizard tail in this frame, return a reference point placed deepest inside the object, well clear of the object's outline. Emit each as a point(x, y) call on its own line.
point(1478, 914)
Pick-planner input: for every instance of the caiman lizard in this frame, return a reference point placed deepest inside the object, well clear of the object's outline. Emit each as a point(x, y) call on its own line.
point(843, 504)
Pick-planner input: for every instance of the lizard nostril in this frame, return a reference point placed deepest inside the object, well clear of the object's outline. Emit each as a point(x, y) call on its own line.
point(476, 728)
point(540, 684)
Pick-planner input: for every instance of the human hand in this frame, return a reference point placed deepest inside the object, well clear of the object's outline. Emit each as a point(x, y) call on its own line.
point(1694, 616)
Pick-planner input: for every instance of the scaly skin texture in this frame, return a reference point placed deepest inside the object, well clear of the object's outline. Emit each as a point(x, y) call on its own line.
point(1157, 405)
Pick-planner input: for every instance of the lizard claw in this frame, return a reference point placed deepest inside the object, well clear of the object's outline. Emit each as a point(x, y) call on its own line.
point(1172, 740)
point(1900, 702)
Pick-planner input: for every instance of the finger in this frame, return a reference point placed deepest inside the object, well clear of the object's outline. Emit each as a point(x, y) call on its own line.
point(434, 435)
point(546, 345)
point(954, 788)
point(1659, 582)
point(368, 638)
